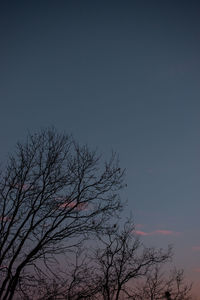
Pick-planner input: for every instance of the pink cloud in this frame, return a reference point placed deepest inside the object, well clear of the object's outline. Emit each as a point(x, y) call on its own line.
point(156, 232)
point(64, 202)
point(3, 267)
point(73, 204)
point(5, 218)
point(24, 187)
point(138, 232)
point(196, 248)
point(197, 270)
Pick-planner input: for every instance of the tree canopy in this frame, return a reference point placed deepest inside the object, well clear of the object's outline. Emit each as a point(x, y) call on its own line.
point(54, 196)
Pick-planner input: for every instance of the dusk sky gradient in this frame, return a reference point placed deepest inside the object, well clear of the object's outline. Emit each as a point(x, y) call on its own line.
point(121, 75)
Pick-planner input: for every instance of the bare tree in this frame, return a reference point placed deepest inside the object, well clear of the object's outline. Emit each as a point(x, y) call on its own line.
point(119, 268)
point(53, 194)
point(123, 260)
point(158, 284)
point(114, 266)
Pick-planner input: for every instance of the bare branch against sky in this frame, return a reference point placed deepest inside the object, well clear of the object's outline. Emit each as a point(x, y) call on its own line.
point(54, 193)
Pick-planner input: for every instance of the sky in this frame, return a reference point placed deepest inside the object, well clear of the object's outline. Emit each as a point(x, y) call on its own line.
point(118, 75)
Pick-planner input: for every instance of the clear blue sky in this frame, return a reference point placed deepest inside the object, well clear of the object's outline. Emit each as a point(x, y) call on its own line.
point(120, 75)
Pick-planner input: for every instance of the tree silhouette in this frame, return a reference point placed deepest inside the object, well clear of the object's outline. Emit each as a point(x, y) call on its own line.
point(122, 260)
point(53, 194)
point(159, 283)
point(119, 267)
point(109, 271)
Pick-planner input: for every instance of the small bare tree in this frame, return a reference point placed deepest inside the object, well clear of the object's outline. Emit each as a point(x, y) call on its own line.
point(111, 269)
point(122, 260)
point(158, 285)
point(53, 194)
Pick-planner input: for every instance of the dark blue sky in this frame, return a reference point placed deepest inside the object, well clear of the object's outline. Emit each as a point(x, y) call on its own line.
point(120, 75)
